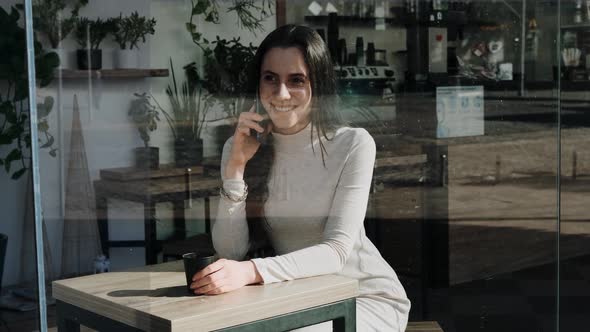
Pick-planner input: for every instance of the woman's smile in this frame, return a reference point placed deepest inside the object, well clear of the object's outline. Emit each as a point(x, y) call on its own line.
point(282, 108)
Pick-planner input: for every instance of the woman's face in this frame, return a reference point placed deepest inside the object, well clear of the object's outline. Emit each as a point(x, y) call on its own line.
point(285, 89)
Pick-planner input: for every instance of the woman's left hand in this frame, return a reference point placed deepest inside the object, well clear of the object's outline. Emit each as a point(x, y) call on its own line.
point(224, 276)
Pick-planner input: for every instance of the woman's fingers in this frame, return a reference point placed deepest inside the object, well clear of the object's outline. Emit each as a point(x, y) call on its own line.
point(253, 116)
point(249, 124)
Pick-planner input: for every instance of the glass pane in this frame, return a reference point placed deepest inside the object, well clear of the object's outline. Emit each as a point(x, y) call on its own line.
point(460, 215)
point(573, 246)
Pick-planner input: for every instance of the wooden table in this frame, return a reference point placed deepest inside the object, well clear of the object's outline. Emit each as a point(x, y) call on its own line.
point(149, 188)
point(154, 298)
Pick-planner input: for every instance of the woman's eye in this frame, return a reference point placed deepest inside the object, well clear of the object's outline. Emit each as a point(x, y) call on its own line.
point(268, 78)
point(298, 81)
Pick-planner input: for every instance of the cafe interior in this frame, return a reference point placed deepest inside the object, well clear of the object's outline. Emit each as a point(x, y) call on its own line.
point(477, 199)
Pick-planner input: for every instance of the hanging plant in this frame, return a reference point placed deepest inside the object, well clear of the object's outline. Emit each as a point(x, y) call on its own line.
point(250, 14)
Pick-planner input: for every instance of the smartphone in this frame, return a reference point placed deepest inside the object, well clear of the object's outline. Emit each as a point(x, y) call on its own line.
point(260, 137)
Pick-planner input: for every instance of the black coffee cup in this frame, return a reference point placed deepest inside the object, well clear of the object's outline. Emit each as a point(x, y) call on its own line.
point(193, 263)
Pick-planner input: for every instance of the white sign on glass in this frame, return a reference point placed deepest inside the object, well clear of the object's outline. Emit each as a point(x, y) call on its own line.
point(459, 111)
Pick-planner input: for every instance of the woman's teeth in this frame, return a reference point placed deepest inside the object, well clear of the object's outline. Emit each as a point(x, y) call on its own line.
point(283, 109)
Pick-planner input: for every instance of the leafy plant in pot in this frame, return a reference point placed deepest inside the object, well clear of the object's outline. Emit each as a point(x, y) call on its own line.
point(189, 106)
point(128, 31)
point(89, 34)
point(51, 21)
point(14, 127)
point(145, 116)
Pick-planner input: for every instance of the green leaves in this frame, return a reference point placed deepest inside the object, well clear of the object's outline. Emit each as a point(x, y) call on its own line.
point(14, 125)
point(129, 30)
point(144, 115)
point(49, 143)
point(92, 32)
point(201, 7)
point(16, 175)
point(43, 109)
point(14, 155)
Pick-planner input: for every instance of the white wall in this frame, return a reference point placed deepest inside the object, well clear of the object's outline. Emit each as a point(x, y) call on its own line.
point(109, 135)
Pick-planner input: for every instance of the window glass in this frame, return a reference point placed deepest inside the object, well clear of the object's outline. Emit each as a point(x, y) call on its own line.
point(431, 150)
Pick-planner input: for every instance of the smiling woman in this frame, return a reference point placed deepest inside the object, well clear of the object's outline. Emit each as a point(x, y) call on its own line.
point(310, 206)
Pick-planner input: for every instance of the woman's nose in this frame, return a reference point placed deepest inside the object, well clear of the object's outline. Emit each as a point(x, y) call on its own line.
point(283, 92)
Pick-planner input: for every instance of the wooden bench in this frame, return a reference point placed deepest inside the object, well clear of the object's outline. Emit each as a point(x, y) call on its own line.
point(424, 327)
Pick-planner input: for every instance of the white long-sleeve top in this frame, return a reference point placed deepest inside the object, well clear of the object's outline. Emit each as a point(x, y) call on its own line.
point(316, 215)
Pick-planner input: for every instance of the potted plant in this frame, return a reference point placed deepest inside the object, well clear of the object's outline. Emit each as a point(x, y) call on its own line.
point(145, 117)
point(89, 34)
point(14, 131)
point(50, 21)
point(189, 107)
point(127, 32)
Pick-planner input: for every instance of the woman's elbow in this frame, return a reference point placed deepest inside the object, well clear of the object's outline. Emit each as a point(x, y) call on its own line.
point(340, 256)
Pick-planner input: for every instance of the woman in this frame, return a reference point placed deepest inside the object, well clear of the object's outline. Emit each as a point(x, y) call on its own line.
point(308, 187)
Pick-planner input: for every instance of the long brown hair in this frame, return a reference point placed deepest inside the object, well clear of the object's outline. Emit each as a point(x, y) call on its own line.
point(324, 120)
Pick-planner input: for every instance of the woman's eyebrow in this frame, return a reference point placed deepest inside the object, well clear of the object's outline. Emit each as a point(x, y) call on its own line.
point(267, 72)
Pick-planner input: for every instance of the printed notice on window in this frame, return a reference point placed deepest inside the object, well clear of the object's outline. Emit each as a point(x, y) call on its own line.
point(459, 111)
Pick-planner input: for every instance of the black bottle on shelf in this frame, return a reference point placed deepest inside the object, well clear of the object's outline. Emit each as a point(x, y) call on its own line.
point(342, 52)
point(333, 36)
point(370, 54)
point(360, 53)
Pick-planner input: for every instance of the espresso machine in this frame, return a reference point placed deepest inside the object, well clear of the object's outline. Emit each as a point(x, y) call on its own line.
point(364, 80)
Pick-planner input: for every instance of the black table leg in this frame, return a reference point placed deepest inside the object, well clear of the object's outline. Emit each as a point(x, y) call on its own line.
point(102, 218)
point(151, 250)
point(69, 318)
point(207, 215)
point(179, 220)
point(65, 321)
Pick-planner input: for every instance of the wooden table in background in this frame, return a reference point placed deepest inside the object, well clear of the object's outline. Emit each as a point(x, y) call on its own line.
point(149, 187)
point(154, 298)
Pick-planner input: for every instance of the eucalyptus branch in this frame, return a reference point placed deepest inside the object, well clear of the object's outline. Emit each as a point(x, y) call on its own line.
point(246, 19)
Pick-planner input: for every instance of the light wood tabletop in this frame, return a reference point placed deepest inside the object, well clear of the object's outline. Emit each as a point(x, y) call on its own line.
point(154, 298)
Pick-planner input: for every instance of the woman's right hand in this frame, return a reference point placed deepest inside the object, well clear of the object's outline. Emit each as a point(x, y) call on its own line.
point(244, 145)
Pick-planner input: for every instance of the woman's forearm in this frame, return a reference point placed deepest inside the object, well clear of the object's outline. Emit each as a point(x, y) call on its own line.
point(234, 171)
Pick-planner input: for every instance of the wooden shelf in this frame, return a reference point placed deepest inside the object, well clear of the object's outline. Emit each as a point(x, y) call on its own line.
point(576, 26)
point(112, 73)
point(401, 19)
point(323, 19)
